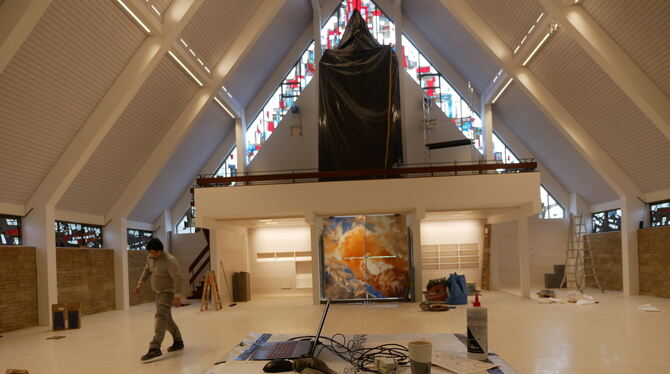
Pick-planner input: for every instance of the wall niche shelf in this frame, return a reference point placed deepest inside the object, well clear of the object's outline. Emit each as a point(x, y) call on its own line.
point(450, 256)
point(284, 256)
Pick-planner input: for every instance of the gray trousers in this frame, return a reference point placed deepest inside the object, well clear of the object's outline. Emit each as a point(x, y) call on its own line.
point(164, 320)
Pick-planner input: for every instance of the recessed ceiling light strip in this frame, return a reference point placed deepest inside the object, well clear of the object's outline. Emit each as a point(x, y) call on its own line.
point(223, 106)
point(185, 68)
point(134, 16)
point(501, 91)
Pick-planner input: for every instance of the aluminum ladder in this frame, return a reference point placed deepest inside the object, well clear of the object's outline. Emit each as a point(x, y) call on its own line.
point(579, 257)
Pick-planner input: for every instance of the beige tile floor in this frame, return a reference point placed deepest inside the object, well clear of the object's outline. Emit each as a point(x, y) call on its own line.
point(609, 337)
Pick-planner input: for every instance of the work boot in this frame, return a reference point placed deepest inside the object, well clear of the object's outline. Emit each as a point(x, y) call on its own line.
point(177, 345)
point(153, 353)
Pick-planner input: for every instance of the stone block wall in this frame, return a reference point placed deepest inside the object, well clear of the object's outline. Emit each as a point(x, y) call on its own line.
point(654, 255)
point(18, 285)
point(86, 276)
point(136, 262)
point(606, 248)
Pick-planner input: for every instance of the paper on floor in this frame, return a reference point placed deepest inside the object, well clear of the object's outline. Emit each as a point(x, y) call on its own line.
point(648, 308)
point(458, 364)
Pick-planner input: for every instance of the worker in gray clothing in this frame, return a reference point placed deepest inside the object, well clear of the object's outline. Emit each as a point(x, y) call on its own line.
point(166, 283)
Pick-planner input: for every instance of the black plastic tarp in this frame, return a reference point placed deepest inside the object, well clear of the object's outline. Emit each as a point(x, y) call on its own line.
point(359, 103)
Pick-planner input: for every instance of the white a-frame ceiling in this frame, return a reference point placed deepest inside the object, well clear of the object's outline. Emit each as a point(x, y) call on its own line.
point(96, 117)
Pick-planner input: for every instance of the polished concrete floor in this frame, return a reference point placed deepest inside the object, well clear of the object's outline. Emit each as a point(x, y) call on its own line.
point(609, 337)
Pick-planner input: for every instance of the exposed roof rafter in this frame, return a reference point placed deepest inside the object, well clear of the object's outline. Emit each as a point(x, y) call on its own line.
point(115, 101)
point(17, 20)
point(180, 128)
point(566, 123)
point(614, 61)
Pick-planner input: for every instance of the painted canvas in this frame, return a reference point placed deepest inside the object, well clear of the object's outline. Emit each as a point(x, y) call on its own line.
point(366, 257)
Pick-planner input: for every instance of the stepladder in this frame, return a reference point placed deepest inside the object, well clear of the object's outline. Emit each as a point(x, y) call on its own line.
point(579, 257)
point(211, 291)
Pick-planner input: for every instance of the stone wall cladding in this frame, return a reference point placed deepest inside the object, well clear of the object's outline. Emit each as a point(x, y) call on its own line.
point(18, 284)
point(86, 276)
point(136, 262)
point(606, 248)
point(654, 255)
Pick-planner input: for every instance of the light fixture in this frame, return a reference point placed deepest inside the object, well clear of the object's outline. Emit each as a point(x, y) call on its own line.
point(226, 109)
point(536, 49)
point(540, 17)
point(135, 17)
point(183, 42)
point(155, 10)
point(501, 91)
point(517, 49)
point(185, 68)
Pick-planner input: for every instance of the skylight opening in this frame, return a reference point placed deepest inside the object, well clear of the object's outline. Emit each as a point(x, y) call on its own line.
point(134, 16)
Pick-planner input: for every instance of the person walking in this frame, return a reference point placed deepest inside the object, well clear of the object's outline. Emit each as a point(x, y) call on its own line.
point(166, 283)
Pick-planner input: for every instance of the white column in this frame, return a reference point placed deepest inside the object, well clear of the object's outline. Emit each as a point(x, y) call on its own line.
point(418, 215)
point(632, 211)
point(316, 25)
point(524, 257)
point(315, 223)
point(494, 265)
point(402, 72)
point(163, 232)
point(241, 143)
point(487, 128)
point(115, 236)
point(38, 231)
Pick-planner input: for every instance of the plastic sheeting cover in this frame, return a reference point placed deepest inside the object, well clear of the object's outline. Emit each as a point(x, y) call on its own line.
point(359, 103)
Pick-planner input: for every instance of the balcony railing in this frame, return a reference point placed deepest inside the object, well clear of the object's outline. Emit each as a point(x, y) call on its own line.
point(405, 171)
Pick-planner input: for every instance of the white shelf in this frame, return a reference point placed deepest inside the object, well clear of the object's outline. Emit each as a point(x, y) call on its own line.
point(450, 256)
point(284, 256)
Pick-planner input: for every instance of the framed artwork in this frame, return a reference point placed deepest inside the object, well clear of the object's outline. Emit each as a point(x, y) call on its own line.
point(366, 257)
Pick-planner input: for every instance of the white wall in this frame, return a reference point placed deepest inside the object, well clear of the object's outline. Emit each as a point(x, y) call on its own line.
point(231, 248)
point(453, 232)
point(547, 240)
point(275, 276)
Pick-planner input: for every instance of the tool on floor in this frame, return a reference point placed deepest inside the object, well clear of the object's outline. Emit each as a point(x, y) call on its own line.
point(225, 278)
point(210, 281)
point(579, 257)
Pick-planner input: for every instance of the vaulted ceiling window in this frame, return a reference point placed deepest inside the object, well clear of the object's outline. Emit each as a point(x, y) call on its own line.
point(380, 26)
point(73, 234)
point(137, 239)
point(606, 221)
point(551, 209)
point(660, 213)
point(228, 167)
point(186, 224)
point(439, 91)
point(10, 230)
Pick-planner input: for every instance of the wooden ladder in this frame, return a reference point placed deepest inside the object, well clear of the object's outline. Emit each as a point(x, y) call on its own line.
point(210, 281)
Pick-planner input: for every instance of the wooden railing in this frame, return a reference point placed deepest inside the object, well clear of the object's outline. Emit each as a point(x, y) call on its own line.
point(404, 172)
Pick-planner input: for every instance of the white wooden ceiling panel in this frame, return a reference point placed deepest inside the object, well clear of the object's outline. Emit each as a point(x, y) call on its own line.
point(605, 111)
point(551, 147)
point(183, 167)
point(261, 61)
point(54, 82)
point(640, 27)
point(215, 26)
point(453, 41)
point(130, 142)
point(510, 19)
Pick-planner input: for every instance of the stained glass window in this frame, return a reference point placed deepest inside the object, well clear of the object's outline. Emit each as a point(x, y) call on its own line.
point(10, 230)
point(73, 234)
point(606, 221)
point(137, 239)
point(437, 89)
point(660, 213)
